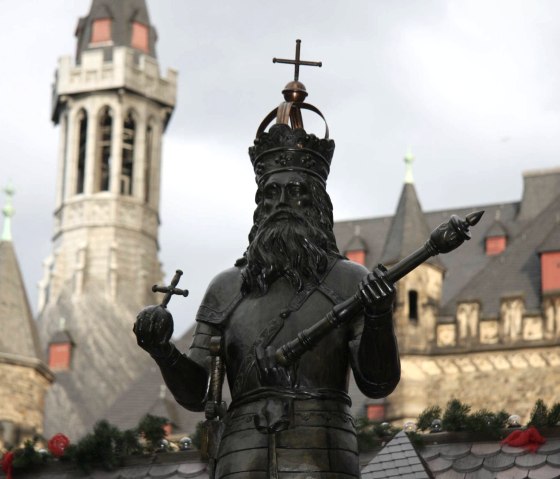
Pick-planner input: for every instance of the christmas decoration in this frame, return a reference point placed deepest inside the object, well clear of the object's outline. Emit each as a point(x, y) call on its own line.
point(529, 439)
point(58, 444)
point(8, 464)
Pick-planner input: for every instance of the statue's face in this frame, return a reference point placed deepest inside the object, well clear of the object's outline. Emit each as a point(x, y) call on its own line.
point(284, 191)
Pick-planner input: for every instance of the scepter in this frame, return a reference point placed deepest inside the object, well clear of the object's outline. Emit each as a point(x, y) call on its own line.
point(445, 238)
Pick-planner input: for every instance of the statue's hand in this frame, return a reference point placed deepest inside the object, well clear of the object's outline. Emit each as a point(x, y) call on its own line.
point(377, 293)
point(153, 329)
point(270, 372)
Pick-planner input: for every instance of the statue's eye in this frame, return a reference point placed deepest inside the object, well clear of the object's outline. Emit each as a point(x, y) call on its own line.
point(270, 192)
point(297, 189)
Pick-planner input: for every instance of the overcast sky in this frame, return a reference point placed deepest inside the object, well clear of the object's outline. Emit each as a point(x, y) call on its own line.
point(473, 88)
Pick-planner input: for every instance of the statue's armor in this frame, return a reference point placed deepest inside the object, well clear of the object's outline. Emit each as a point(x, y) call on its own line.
point(302, 429)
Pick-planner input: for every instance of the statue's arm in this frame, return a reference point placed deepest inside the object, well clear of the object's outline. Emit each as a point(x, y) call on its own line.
point(187, 375)
point(374, 352)
point(374, 355)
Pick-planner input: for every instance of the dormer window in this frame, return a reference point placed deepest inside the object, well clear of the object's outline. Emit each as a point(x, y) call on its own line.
point(140, 37)
point(101, 30)
point(495, 245)
point(357, 255)
point(496, 239)
point(550, 271)
point(60, 351)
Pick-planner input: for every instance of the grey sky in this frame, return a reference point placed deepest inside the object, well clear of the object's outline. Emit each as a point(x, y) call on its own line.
point(470, 87)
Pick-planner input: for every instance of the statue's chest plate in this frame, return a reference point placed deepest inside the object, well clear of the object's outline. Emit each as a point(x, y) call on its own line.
point(274, 319)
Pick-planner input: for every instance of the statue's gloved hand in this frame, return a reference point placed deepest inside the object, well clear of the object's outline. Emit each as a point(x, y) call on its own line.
point(153, 329)
point(270, 372)
point(377, 293)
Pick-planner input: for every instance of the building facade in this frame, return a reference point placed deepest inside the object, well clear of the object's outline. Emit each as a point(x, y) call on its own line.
point(480, 324)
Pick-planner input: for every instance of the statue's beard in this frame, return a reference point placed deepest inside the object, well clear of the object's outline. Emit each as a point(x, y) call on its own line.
point(287, 244)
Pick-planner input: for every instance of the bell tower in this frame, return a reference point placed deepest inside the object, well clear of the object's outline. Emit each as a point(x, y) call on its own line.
point(112, 106)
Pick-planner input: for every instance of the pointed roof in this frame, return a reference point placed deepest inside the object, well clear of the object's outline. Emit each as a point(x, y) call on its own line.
point(19, 332)
point(409, 229)
point(397, 459)
point(122, 13)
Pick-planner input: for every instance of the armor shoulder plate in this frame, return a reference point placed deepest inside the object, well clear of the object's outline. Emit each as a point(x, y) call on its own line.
point(221, 297)
point(343, 280)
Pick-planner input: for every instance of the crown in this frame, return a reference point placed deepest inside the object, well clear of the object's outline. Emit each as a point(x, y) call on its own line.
point(287, 146)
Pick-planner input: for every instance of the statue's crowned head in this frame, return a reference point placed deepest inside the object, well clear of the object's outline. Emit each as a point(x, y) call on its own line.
point(292, 234)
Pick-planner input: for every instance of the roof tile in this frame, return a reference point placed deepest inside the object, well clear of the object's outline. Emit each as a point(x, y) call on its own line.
point(455, 451)
point(551, 446)
point(161, 471)
point(440, 465)
point(486, 449)
point(500, 462)
point(514, 451)
point(554, 459)
point(545, 472)
point(530, 461)
point(468, 463)
point(513, 473)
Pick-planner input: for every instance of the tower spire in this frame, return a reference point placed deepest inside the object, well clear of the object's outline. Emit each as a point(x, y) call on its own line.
point(8, 211)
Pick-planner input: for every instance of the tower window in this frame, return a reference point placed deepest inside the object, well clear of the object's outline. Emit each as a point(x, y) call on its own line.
point(413, 306)
point(148, 162)
point(82, 142)
point(127, 170)
point(103, 166)
point(101, 30)
point(140, 37)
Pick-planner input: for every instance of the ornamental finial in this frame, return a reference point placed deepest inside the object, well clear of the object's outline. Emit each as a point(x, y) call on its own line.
point(408, 160)
point(8, 212)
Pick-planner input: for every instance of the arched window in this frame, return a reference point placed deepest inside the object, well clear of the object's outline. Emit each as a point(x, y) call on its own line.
point(127, 169)
point(103, 163)
point(148, 162)
point(413, 306)
point(82, 143)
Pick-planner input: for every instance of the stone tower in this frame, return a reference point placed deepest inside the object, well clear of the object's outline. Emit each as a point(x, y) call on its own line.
point(24, 377)
point(112, 106)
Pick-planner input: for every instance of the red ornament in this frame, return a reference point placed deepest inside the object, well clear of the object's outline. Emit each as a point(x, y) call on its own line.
point(58, 444)
point(8, 464)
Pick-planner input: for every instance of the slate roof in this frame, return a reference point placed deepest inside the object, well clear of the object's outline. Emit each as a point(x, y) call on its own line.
point(107, 362)
point(531, 226)
point(19, 331)
point(122, 13)
point(397, 459)
point(516, 271)
point(173, 465)
point(481, 460)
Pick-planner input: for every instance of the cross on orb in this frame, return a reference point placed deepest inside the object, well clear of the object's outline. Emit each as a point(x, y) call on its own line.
point(297, 62)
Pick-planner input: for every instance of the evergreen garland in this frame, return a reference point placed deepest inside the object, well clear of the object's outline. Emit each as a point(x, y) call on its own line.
point(106, 447)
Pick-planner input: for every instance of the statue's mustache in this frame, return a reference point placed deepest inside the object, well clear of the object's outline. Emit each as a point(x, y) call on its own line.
point(285, 214)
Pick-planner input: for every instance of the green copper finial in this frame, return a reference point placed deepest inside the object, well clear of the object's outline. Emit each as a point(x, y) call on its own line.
point(8, 212)
point(408, 160)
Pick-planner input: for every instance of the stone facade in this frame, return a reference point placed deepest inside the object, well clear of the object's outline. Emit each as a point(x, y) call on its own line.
point(22, 389)
point(494, 380)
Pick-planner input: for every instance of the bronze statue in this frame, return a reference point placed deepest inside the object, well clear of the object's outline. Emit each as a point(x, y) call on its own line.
point(267, 322)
